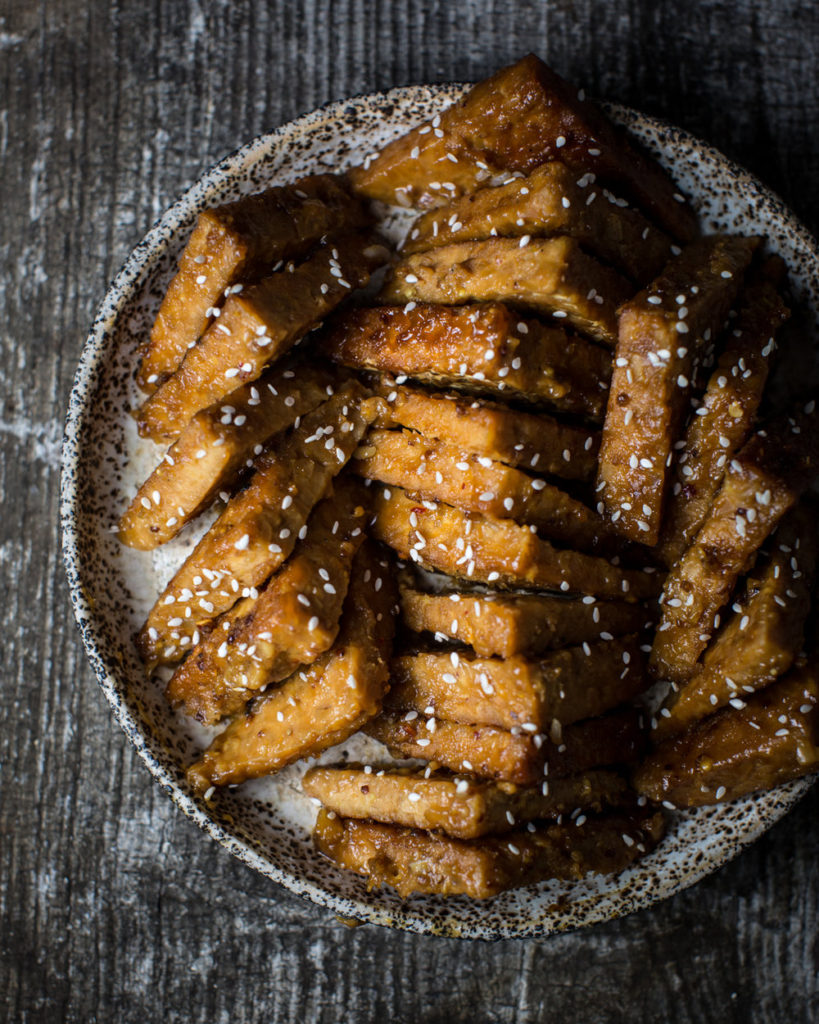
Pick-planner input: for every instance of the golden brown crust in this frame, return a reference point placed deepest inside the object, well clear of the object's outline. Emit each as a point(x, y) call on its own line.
point(318, 706)
point(259, 527)
point(550, 276)
point(656, 351)
point(258, 326)
point(537, 696)
point(508, 624)
point(725, 415)
point(438, 471)
point(772, 738)
point(238, 242)
point(415, 861)
point(293, 620)
point(521, 117)
point(213, 449)
point(462, 808)
point(536, 442)
point(480, 346)
point(763, 636)
point(552, 200)
point(486, 550)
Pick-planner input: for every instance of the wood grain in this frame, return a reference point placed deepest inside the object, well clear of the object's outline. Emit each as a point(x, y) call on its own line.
point(112, 905)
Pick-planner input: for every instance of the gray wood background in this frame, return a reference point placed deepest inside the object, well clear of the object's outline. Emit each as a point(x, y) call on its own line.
point(112, 905)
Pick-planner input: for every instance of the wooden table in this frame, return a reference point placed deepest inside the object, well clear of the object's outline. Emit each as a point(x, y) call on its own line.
point(113, 906)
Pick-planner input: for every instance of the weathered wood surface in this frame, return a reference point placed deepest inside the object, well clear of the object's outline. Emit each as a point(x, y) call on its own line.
point(112, 905)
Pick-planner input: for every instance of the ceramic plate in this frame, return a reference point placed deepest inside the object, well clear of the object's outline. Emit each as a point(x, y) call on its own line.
point(266, 823)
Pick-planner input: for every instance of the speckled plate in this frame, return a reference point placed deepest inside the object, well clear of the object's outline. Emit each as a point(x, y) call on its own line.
point(266, 823)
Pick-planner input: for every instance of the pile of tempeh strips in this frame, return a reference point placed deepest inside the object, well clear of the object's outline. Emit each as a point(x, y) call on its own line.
point(447, 517)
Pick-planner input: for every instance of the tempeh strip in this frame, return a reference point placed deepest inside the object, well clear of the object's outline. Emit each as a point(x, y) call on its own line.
point(259, 527)
point(661, 333)
point(294, 619)
point(546, 275)
point(318, 706)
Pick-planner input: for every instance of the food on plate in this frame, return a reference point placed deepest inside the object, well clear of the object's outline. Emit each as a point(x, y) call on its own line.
point(259, 527)
point(321, 704)
point(216, 446)
point(771, 738)
point(484, 549)
point(463, 808)
point(236, 243)
point(616, 738)
point(258, 326)
point(537, 696)
point(532, 441)
point(523, 116)
point(290, 621)
point(764, 633)
point(415, 861)
point(662, 332)
point(484, 347)
point(552, 200)
point(507, 624)
point(552, 276)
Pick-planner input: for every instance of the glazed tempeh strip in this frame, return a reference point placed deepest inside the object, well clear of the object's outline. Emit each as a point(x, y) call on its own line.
point(521, 117)
point(771, 739)
point(517, 756)
point(213, 449)
point(234, 244)
point(661, 332)
point(416, 861)
point(763, 636)
point(483, 347)
point(535, 696)
point(318, 706)
point(486, 550)
point(259, 527)
point(294, 619)
point(462, 808)
point(507, 624)
point(550, 276)
point(725, 415)
point(536, 442)
point(761, 483)
point(552, 200)
point(258, 326)
point(438, 471)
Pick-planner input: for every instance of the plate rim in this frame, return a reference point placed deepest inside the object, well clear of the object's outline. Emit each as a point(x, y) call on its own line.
point(95, 349)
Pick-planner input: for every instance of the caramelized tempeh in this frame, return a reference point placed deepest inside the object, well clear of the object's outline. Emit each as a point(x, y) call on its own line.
point(521, 117)
point(462, 808)
point(552, 200)
point(433, 469)
point(761, 483)
point(772, 739)
point(535, 442)
point(215, 446)
point(725, 415)
point(507, 624)
point(487, 550)
point(294, 619)
point(763, 636)
point(258, 529)
point(484, 347)
point(416, 861)
point(661, 332)
point(239, 242)
point(547, 275)
point(256, 327)
point(536, 696)
point(320, 705)
point(485, 750)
